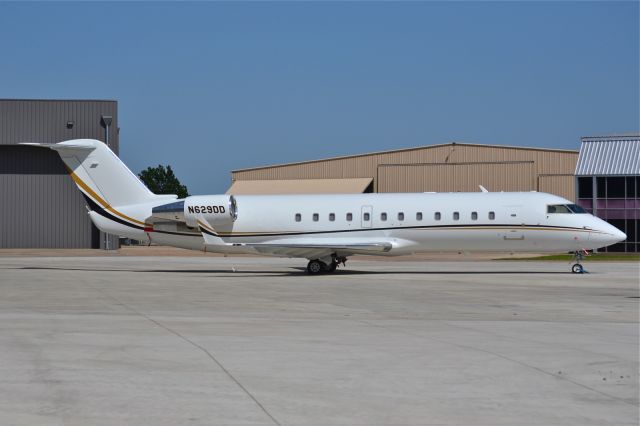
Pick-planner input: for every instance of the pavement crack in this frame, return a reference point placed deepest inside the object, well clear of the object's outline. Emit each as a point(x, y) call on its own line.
point(197, 346)
point(522, 363)
point(540, 370)
point(517, 339)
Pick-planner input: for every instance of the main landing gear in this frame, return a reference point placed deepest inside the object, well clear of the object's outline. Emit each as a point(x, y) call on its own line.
point(577, 267)
point(317, 266)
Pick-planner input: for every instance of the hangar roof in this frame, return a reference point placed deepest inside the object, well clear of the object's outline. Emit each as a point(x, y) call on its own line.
point(368, 154)
point(609, 155)
point(300, 186)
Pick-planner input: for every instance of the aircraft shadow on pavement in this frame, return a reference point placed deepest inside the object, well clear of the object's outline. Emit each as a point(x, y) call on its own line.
point(183, 271)
point(303, 271)
point(297, 271)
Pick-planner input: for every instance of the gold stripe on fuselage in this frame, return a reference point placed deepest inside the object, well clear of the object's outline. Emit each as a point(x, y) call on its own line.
point(99, 199)
point(205, 226)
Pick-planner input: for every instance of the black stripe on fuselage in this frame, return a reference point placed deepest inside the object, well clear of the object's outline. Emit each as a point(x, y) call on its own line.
point(393, 228)
point(93, 206)
point(104, 213)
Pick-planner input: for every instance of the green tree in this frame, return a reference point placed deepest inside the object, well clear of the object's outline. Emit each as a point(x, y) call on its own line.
point(161, 180)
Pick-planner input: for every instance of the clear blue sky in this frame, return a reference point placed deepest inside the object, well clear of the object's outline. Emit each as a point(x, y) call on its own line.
point(211, 87)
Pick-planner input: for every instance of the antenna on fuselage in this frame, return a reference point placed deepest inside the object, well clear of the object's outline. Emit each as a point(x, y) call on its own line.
point(483, 189)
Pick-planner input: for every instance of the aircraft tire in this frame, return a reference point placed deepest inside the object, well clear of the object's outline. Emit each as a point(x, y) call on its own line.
point(315, 267)
point(577, 268)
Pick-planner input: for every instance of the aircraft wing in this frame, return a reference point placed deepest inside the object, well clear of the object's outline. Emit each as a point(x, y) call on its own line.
point(307, 248)
point(320, 249)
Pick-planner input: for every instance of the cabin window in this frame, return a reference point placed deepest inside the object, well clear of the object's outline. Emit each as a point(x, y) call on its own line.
point(383, 217)
point(316, 217)
point(349, 217)
point(474, 215)
point(456, 216)
point(400, 216)
point(492, 215)
point(298, 217)
point(437, 216)
point(332, 217)
point(419, 216)
point(367, 217)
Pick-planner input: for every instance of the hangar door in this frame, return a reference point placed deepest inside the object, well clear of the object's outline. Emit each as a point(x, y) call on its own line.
point(457, 177)
point(40, 206)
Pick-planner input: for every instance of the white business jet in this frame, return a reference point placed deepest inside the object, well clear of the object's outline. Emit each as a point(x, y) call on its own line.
point(326, 229)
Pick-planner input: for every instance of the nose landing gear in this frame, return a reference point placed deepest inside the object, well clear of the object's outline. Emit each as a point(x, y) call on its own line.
point(577, 267)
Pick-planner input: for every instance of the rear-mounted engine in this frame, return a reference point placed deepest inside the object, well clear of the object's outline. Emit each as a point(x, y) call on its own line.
point(184, 215)
point(215, 210)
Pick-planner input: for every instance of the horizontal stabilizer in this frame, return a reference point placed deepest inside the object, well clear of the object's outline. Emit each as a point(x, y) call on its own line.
point(63, 145)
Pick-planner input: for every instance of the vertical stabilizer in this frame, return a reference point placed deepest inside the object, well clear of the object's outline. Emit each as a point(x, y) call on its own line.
point(100, 174)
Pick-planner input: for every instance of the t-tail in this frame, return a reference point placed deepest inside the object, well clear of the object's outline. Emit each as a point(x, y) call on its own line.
point(114, 194)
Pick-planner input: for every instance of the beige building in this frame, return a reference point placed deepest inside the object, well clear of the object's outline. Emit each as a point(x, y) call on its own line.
point(449, 167)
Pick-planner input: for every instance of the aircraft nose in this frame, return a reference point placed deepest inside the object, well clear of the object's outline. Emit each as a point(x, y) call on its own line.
point(616, 234)
point(606, 234)
point(619, 235)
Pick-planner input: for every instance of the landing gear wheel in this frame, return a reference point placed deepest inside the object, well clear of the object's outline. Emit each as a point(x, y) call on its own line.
point(331, 267)
point(315, 267)
point(577, 267)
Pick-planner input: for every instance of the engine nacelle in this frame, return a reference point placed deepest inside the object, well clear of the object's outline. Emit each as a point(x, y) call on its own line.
point(216, 210)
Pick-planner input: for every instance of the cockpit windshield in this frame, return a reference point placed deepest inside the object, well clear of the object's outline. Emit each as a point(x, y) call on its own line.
point(565, 208)
point(576, 208)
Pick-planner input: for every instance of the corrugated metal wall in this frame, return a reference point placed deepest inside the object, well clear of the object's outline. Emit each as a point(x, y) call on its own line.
point(46, 121)
point(516, 176)
point(39, 204)
point(563, 185)
point(533, 163)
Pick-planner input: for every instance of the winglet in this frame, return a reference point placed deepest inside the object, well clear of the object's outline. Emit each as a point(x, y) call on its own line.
point(483, 189)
